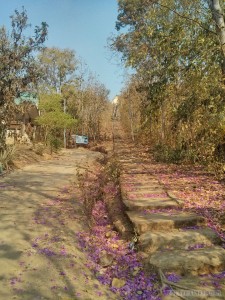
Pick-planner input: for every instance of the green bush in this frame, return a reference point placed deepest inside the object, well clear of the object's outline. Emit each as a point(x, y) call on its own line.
point(164, 153)
point(55, 143)
point(112, 170)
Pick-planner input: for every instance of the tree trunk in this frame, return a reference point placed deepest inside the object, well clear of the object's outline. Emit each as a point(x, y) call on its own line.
point(218, 17)
point(163, 125)
point(34, 134)
point(2, 137)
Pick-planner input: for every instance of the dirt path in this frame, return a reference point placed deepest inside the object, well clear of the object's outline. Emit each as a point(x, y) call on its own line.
point(40, 215)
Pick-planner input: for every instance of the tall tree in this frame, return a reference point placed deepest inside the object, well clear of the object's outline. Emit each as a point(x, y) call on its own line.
point(58, 67)
point(176, 52)
point(94, 102)
point(219, 18)
point(52, 119)
point(18, 68)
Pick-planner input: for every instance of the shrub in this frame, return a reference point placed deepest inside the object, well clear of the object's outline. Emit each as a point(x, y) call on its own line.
point(112, 170)
point(39, 148)
point(100, 149)
point(165, 153)
point(6, 157)
point(55, 143)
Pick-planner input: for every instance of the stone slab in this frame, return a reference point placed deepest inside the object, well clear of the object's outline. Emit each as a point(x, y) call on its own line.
point(164, 221)
point(138, 178)
point(146, 192)
point(150, 242)
point(150, 203)
point(127, 187)
point(197, 262)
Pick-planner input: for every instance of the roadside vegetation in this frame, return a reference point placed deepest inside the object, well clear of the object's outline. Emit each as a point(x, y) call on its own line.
point(110, 247)
point(55, 83)
point(174, 101)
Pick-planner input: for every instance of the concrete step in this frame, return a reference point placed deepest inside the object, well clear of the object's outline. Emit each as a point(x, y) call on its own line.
point(163, 221)
point(197, 262)
point(151, 242)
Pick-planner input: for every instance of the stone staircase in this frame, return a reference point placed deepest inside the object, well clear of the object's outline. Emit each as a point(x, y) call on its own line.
point(174, 241)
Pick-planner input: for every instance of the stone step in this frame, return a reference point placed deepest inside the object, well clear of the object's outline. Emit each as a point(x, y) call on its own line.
point(138, 178)
point(151, 242)
point(151, 203)
point(135, 171)
point(134, 187)
point(126, 184)
point(163, 221)
point(124, 156)
point(133, 163)
point(149, 194)
point(125, 161)
point(145, 190)
point(197, 262)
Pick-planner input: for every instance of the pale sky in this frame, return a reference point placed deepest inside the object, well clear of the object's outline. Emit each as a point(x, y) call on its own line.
point(81, 25)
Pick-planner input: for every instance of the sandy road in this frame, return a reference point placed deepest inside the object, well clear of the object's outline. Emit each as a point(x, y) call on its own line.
point(40, 214)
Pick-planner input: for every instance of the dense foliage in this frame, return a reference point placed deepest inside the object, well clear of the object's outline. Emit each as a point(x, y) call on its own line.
point(18, 68)
point(71, 99)
point(176, 50)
